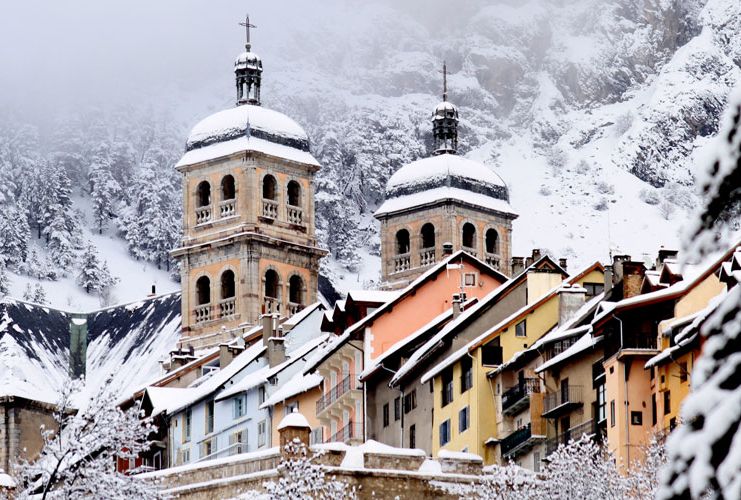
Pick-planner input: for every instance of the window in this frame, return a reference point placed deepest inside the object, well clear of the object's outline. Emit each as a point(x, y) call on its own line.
point(463, 420)
point(268, 188)
point(520, 330)
point(296, 290)
point(262, 433)
point(271, 284)
point(238, 407)
point(601, 403)
point(667, 403)
point(261, 394)
point(290, 408)
point(412, 436)
point(612, 413)
point(209, 417)
point(208, 448)
point(397, 408)
point(410, 401)
point(203, 290)
point(185, 455)
point(636, 418)
point(672, 423)
point(227, 284)
point(492, 241)
point(469, 235)
point(683, 371)
point(469, 280)
point(203, 194)
point(593, 289)
point(445, 433)
point(491, 353)
point(428, 236)
point(187, 424)
point(294, 194)
point(238, 442)
point(447, 387)
point(227, 188)
point(317, 435)
point(466, 374)
point(402, 242)
point(386, 415)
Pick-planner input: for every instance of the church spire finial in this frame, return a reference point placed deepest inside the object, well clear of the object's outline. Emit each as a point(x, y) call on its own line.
point(248, 70)
point(445, 121)
point(247, 25)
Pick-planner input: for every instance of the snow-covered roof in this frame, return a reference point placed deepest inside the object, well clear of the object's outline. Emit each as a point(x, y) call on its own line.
point(164, 399)
point(377, 296)
point(294, 419)
point(443, 194)
point(222, 149)
point(459, 455)
point(584, 343)
point(298, 384)
point(124, 343)
point(301, 315)
point(440, 168)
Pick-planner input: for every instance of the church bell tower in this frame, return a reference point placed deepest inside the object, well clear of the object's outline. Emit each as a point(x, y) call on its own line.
point(249, 243)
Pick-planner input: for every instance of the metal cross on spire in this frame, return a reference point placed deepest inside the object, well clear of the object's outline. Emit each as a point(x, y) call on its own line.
point(445, 82)
point(247, 25)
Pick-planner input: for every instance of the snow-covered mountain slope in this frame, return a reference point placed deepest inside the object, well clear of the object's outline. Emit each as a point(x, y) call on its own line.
point(595, 112)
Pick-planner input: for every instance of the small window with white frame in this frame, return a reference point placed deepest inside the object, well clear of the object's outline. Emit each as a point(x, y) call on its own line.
point(238, 407)
point(262, 433)
point(469, 279)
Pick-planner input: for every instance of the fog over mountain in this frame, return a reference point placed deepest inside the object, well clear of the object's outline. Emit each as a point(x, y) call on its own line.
point(594, 112)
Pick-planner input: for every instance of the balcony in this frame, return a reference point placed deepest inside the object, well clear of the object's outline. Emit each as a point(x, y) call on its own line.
point(295, 216)
point(562, 402)
point(271, 305)
point(402, 262)
point(203, 215)
point(574, 433)
point(269, 209)
point(335, 393)
point(227, 208)
point(492, 260)
point(518, 442)
point(227, 307)
point(426, 257)
point(351, 430)
point(470, 251)
point(517, 398)
point(202, 313)
point(294, 308)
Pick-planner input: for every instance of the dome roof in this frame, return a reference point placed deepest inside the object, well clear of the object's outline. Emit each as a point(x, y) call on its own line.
point(248, 59)
point(248, 121)
point(446, 170)
point(445, 110)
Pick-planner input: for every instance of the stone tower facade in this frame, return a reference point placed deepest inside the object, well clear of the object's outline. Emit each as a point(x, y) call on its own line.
point(443, 199)
point(249, 245)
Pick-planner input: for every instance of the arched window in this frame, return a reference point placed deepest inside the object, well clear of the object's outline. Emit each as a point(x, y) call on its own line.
point(269, 191)
point(294, 194)
point(203, 291)
point(227, 188)
point(428, 236)
point(296, 290)
point(271, 284)
point(402, 242)
point(469, 235)
point(227, 284)
point(492, 241)
point(203, 194)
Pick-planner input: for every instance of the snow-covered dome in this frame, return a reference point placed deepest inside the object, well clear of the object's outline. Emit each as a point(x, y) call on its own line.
point(247, 60)
point(248, 121)
point(446, 170)
point(445, 110)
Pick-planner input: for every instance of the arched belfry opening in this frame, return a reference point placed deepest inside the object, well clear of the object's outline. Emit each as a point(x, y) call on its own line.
point(427, 236)
point(468, 236)
point(294, 194)
point(402, 242)
point(228, 287)
point(269, 191)
point(203, 194)
point(492, 241)
point(228, 190)
point(271, 291)
point(203, 291)
point(295, 294)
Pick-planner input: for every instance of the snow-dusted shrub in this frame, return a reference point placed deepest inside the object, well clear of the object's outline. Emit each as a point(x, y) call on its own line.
point(583, 167)
point(643, 477)
point(545, 190)
point(78, 459)
point(557, 159)
point(666, 209)
point(605, 188)
point(601, 205)
point(649, 196)
point(623, 123)
point(508, 482)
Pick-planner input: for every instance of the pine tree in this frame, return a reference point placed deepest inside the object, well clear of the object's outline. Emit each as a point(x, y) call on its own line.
point(94, 275)
point(28, 293)
point(15, 235)
point(104, 189)
point(39, 294)
point(4, 281)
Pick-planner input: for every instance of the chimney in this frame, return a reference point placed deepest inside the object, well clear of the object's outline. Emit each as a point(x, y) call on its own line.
point(570, 299)
point(518, 265)
point(277, 348)
point(230, 350)
point(633, 273)
point(536, 254)
point(294, 427)
point(562, 263)
point(457, 305)
point(447, 248)
point(267, 328)
point(608, 279)
point(617, 268)
point(528, 261)
point(665, 254)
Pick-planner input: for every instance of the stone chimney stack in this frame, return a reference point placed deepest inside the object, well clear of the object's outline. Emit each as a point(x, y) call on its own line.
point(563, 264)
point(608, 279)
point(293, 429)
point(665, 254)
point(230, 350)
point(536, 254)
point(268, 327)
point(447, 248)
point(457, 305)
point(518, 265)
point(633, 273)
point(617, 268)
point(570, 299)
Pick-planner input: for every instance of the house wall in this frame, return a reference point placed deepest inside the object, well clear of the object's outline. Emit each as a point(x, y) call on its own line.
point(306, 406)
point(20, 430)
